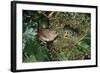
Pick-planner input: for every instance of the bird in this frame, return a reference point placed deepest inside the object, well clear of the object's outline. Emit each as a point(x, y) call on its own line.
point(47, 35)
point(70, 32)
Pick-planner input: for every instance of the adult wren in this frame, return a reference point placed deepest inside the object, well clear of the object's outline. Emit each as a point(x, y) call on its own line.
point(47, 35)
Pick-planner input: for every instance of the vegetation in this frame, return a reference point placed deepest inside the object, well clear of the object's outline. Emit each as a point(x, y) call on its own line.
point(74, 46)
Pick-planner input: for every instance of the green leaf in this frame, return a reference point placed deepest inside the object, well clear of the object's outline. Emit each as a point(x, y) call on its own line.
point(84, 46)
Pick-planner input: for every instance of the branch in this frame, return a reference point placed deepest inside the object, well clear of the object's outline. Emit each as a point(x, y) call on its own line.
point(50, 15)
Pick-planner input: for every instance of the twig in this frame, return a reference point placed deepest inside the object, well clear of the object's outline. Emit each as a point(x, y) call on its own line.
point(50, 15)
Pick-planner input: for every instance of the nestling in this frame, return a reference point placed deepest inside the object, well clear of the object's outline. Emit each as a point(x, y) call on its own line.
point(71, 32)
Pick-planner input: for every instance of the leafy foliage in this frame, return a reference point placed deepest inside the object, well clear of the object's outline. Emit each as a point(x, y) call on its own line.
point(32, 50)
point(84, 46)
point(63, 48)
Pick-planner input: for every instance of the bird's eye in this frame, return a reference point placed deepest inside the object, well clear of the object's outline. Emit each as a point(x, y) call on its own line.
point(67, 33)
